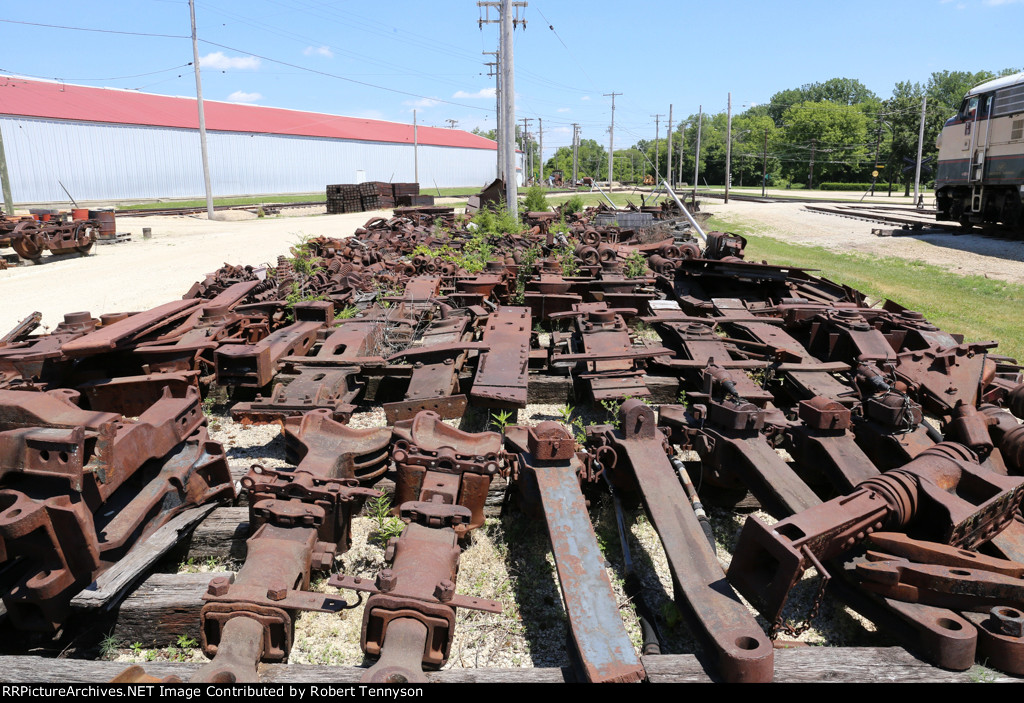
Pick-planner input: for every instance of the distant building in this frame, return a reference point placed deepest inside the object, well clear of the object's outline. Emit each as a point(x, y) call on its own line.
point(112, 144)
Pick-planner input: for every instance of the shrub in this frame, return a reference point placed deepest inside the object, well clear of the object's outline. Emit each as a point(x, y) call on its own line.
point(536, 199)
point(852, 186)
point(573, 205)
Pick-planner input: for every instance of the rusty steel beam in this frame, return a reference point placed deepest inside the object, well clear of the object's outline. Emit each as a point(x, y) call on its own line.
point(254, 365)
point(547, 453)
point(501, 372)
point(741, 650)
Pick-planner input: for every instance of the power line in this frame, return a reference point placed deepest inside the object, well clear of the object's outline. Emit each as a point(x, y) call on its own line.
point(110, 78)
point(343, 78)
point(102, 31)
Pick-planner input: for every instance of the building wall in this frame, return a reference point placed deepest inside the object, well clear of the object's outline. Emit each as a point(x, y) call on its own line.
point(121, 162)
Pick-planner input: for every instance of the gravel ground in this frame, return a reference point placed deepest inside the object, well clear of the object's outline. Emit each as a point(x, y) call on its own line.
point(791, 222)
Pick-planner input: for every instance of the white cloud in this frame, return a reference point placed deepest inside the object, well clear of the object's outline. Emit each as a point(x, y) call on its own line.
point(563, 109)
point(319, 51)
point(1002, 2)
point(585, 97)
point(482, 93)
point(218, 60)
point(240, 96)
point(421, 103)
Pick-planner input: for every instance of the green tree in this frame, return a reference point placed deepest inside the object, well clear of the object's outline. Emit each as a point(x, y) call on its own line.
point(593, 160)
point(903, 111)
point(842, 91)
point(836, 135)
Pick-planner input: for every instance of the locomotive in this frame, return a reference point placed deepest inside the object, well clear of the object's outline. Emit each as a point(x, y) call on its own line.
point(980, 177)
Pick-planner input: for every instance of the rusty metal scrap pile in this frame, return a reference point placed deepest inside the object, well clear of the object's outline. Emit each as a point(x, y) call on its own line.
point(889, 450)
point(61, 234)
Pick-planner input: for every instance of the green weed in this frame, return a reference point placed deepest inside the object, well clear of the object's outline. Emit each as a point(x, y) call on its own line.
point(379, 510)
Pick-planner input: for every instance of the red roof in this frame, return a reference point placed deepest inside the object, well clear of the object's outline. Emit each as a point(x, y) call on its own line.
point(62, 101)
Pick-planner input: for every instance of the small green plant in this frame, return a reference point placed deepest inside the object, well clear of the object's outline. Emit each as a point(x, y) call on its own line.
point(611, 408)
point(305, 265)
point(379, 510)
point(566, 255)
point(573, 205)
point(575, 424)
point(636, 265)
point(497, 222)
point(670, 613)
point(182, 648)
point(561, 227)
point(501, 419)
point(109, 646)
point(536, 199)
point(527, 267)
point(136, 648)
point(980, 673)
point(347, 313)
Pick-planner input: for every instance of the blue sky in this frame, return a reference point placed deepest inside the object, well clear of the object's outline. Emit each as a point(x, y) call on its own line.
point(297, 53)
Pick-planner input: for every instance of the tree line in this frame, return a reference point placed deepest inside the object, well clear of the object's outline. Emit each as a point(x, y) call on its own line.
point(834, 131)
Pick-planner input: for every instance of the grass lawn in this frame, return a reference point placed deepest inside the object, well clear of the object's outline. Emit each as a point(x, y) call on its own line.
point(248, 200)
point(982, 309)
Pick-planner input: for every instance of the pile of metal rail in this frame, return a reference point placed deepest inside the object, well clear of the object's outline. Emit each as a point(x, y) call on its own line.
point(889, 451)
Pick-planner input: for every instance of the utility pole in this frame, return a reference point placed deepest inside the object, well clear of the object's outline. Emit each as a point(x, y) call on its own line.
point(452, 123)
point(527, 151)
point(5, 180)
point(575, 153)
point(657, 160)
point(920, 147)
point(764, 163)
point(668, 149)
point(540, 128)
point(415, 150)
point(682, 148)
point(202, 114)
point(878, 143)
point(728, 149)
point(611, 139)
point(507, 143)
point(696, 158)
point(810, 175)
point(493, 70)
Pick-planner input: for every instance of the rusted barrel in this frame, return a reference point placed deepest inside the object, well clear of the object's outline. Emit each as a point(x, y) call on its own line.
point(108, 228)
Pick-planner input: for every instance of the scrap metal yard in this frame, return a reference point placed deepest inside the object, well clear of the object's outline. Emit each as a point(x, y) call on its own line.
point(421, 408)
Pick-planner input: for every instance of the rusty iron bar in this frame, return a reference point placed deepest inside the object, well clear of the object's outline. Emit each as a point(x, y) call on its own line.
point(547, 453)
point(742, 651)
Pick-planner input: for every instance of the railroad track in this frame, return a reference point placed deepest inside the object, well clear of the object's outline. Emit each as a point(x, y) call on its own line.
point(195, 210)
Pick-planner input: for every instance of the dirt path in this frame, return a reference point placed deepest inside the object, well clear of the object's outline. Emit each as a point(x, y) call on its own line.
point(141, 274)
point(965, 254)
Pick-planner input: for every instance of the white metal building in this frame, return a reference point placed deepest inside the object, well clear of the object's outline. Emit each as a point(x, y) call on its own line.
point(111, 144)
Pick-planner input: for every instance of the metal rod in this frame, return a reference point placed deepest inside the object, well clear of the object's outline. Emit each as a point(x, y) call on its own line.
point(686, 213)
point(66, 191)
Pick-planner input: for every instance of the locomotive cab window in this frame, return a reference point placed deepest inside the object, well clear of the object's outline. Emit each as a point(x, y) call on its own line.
point(969, 108)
